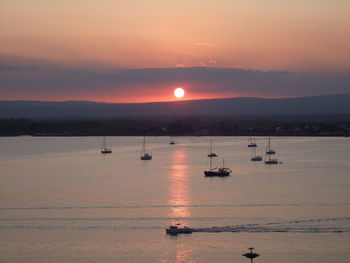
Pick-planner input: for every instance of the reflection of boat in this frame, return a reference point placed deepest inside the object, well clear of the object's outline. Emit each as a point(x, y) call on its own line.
point(255, 157)
point(174, 230)
point(268, 148)
point(251, 255)
point(251, 142)
point(211, 154)
point(104, 147)
point(221, 172)
point(144, 155)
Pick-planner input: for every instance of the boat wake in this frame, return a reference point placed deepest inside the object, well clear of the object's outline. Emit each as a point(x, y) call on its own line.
point(320, 225)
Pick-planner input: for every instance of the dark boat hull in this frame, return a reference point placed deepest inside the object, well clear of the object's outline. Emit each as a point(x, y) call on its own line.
point(252, 145)
point(106, 151)
point(177, 231)
point(251, 255)
point(271, 162)
point(256, 159)
point(145, 158)
point(214, 173)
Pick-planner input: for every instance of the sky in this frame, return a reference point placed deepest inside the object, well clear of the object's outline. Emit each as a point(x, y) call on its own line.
point(138, 51)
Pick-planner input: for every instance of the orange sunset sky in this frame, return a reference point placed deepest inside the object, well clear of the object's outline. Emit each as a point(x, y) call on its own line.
point(115, 50)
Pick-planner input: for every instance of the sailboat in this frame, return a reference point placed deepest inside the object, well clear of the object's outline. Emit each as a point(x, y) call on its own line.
point(221, 172)
point(268, 148)
point(104, 147)
point(255, 157)
point(251, 142)
point(269, 151)
point(172, 142)
point(270, 160)
point(211, 154)
point(144, 154)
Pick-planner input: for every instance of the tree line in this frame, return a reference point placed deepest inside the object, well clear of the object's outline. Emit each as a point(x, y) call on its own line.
point(176, 126)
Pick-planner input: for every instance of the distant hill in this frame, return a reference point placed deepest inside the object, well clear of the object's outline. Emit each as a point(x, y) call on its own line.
point(328, 104)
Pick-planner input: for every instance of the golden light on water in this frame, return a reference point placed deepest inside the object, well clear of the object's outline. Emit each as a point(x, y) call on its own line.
point(179, 196)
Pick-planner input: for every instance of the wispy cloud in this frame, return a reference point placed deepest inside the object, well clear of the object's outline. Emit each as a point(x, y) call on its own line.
point(208, 63)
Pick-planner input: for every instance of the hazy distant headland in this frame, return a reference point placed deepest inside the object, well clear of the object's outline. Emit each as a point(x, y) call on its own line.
point(316, 105)
point(304, 116)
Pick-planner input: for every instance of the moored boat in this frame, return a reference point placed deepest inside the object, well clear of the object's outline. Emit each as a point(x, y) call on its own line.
point(144, 155)
point(211, 153)
point(269, 151)
point(105, 149)
point(252, 142)
point(254, 157)
point(268, 148)
point(219, 172)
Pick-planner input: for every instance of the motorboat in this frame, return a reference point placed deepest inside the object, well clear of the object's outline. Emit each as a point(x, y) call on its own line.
point(174, 230)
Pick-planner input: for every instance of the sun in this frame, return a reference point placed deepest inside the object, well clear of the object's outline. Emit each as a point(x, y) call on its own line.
point(179, 93)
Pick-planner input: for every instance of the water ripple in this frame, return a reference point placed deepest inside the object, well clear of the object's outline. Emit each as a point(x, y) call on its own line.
point(168, 206)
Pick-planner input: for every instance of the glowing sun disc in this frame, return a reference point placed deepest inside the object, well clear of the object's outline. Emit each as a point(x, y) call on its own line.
point(179, 93)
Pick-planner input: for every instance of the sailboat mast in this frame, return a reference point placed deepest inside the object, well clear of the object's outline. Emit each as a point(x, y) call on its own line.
point(143, 146)
point(210, 163)
point(104, 142)
point(211, 146)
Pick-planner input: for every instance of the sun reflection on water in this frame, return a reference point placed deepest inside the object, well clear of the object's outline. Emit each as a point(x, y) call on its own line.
point(179, 194)
point(184, 256)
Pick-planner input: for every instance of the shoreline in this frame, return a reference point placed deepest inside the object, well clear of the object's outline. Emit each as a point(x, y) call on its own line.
point(177, 135)
point(177, 126)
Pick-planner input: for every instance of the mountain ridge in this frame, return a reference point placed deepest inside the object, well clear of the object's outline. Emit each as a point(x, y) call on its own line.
point(324, 104)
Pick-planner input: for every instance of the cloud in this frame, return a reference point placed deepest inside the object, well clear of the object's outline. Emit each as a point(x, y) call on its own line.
point(208, 63)
point(32, 78)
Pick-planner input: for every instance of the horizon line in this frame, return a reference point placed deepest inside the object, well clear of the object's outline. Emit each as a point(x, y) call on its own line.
point(176, 101)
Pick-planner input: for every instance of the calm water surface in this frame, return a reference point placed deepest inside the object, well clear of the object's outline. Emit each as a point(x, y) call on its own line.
point(62, 201)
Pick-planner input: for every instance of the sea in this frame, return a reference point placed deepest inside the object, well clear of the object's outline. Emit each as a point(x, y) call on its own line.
point(62, 201)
